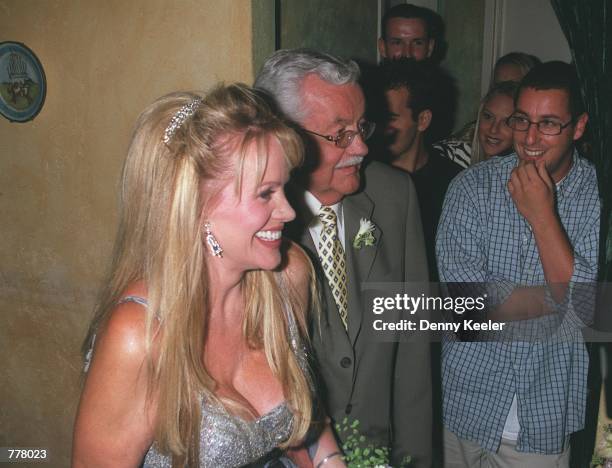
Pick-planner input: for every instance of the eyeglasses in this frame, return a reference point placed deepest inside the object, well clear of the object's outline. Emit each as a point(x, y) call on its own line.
point(344, 138)
point(546, 127)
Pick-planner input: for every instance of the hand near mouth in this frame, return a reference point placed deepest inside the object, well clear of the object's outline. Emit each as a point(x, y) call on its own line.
point(532, 191)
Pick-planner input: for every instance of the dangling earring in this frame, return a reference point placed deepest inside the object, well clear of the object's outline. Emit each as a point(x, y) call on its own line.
point(213, 243)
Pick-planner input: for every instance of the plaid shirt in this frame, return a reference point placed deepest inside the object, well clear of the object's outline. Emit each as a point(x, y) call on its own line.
point(483, 238)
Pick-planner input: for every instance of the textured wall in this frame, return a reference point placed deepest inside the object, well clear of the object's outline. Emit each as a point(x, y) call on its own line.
point(264, 31)
point(344, 27)
point(104, 61)
point(464, 29)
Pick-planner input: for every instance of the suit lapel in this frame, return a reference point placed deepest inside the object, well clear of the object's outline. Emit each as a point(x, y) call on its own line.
point(358, 261)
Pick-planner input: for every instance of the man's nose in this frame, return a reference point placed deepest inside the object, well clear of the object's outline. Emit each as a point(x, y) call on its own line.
point(532, 134)
point(407, 50)
point(358, 146)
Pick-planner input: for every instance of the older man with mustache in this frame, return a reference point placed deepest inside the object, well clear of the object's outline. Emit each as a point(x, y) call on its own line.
point(384, 385)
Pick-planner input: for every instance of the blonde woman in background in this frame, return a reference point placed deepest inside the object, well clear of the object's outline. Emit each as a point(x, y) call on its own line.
point(459, 147)
point(493, 136)
point(513, 67)
point(197, 352)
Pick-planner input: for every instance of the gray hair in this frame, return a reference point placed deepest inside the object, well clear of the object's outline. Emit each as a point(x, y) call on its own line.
point(282, 74)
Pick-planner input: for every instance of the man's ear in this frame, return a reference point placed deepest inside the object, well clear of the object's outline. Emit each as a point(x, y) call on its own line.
point(580, 125)
point(431, 47)
point(381, 47)
point(424, 120)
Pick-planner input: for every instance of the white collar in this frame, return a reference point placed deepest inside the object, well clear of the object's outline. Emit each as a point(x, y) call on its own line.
point(314, 205)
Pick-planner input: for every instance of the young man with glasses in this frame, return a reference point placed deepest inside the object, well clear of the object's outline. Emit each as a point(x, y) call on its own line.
point(386, 386)
point(526, 226)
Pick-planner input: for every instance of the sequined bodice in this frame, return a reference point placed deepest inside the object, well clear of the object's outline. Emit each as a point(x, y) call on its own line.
point(227, 440)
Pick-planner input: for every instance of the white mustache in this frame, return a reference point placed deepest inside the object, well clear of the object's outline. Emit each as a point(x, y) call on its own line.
point(352, 161)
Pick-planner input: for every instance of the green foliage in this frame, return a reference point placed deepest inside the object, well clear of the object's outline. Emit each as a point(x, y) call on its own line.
point(358, 451)
point(603, 450)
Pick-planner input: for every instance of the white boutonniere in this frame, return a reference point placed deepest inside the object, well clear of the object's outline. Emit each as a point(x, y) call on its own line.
point(364, 236)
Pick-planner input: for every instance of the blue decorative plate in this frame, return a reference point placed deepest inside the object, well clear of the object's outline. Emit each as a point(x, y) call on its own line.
point(22, 82)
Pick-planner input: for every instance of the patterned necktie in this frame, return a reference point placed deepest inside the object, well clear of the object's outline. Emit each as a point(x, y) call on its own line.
point(331, 255)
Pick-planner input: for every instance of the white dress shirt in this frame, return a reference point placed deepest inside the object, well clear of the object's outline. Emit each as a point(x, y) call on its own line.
point(315, 225)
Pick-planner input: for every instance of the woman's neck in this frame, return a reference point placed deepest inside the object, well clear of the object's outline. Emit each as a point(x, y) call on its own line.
point(225, 293)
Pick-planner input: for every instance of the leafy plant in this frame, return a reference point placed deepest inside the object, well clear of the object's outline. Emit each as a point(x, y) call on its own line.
point(603, 451)
point(358, 451)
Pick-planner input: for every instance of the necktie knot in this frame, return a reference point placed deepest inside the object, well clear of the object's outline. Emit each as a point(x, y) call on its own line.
point(327, 216)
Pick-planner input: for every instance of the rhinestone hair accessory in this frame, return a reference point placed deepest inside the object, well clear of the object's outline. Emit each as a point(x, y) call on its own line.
point(181, 116)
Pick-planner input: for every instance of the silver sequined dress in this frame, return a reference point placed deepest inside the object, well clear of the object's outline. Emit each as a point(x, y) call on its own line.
point(227, 440)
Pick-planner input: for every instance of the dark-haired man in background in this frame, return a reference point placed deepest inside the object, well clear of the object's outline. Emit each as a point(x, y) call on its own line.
point(527, 226)
point(413, 32)
point(415, 93)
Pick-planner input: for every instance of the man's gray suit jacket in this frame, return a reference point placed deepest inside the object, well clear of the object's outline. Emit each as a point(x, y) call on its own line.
point(384, 385)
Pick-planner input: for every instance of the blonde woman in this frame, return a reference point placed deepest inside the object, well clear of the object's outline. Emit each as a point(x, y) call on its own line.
point(196, 355)
point(493, 136)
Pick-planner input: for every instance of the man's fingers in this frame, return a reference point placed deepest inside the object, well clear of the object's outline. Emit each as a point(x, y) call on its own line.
point(523, 174)
point(515, 181)
point(543, 173)
point(532, 172)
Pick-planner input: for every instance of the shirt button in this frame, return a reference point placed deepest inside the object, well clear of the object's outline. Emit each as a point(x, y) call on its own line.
point(345, 362)
point(348, 409)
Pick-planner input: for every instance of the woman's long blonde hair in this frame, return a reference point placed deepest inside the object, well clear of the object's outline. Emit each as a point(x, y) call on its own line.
point(161, 242)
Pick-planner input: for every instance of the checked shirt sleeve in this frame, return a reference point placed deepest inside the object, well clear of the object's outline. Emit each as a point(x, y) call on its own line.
point(461, 243)
point(582, 287)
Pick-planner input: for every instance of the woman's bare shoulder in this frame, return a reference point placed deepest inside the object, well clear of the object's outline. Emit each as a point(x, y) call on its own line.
point(125, 332)
point(115, 415)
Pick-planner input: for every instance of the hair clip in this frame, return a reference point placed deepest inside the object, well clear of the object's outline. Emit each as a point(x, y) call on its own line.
point(180, 118)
